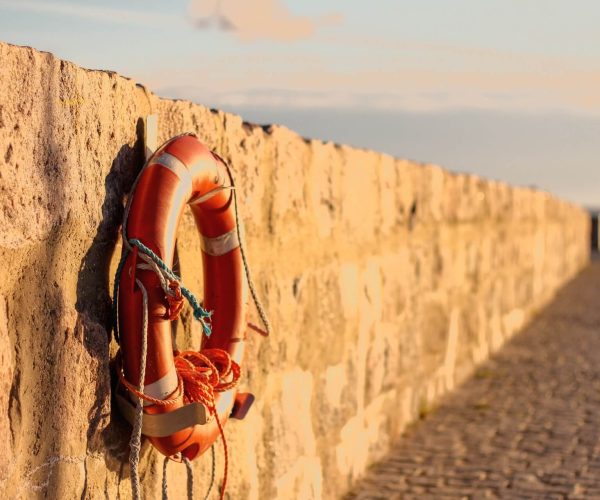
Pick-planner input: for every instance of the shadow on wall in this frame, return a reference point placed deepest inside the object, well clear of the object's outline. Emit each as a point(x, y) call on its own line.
point(56, 344)
point(94, 305)
point(595, 236)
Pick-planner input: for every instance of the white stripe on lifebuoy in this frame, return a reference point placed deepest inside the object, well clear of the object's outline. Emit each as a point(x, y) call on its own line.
point(174, 165)
point(162, 388)
point(220, 245)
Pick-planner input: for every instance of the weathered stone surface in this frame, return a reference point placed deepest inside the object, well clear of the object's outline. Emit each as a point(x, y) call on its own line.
point(386, 282)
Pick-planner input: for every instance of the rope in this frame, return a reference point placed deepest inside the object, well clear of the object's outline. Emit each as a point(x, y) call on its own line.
point(212, 472)
point(170, 283)
point(190, 481)
point(136, 433)
point(203, 373)
point(201, 314)
point(165, 489)
point(257, 303)
point(190, 478)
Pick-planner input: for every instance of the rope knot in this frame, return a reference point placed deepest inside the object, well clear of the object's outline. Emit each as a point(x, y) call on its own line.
point(175, 301)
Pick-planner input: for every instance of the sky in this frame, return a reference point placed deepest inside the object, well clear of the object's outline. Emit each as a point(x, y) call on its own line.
point(506, 89)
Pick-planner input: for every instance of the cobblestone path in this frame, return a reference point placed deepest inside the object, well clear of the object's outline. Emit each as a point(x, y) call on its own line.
point(527, 425)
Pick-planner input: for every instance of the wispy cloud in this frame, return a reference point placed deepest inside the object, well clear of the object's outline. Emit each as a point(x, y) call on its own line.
point(414, 89)
point(93, 12)
point(416, 77)
point(256, 19)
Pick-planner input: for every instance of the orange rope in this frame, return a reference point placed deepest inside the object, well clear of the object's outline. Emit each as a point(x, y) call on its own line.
point(205, 373)
point(175, 301)
point(199, 376)
point(258, 329)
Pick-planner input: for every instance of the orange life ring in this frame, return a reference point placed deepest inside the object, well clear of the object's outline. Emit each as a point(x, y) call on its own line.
point(182, 171)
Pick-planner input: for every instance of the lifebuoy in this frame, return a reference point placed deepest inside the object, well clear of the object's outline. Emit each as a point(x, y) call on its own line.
point(182, 171)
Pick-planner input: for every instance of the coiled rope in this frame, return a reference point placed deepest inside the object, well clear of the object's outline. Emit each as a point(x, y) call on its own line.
point(199, 374)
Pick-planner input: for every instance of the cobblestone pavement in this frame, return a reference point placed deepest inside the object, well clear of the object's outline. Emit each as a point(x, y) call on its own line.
point(527, 425)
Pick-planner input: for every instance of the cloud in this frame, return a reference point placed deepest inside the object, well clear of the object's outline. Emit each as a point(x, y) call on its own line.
point(92, 12)
point(247, 80)
point(405, 76)
point(256, 19)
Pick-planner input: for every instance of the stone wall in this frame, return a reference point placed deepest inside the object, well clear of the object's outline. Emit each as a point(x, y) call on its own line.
point(386, 281)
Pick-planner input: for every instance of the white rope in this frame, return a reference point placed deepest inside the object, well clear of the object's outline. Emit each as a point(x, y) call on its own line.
point(136, 434)
point(163, 276)
point(165, 490)
point(212, 472)
point(190, 478)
